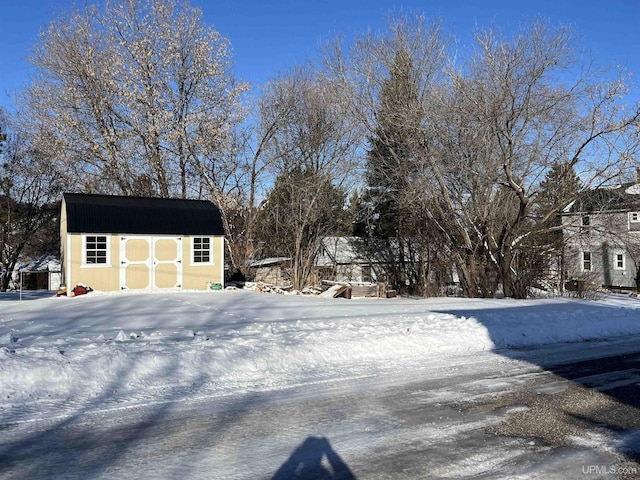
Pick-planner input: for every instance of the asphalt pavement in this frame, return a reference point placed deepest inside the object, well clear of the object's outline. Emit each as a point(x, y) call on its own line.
point(511, 414)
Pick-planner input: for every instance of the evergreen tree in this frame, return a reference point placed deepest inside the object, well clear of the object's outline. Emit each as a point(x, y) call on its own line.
point(546, 248)
point(389, 217)
point(560, 186)
point(389, 158)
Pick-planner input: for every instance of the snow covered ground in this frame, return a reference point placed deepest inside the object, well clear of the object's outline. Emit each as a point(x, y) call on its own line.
point(61, 354)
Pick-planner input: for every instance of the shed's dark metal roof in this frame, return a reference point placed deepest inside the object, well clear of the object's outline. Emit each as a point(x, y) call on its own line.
point(87, 213)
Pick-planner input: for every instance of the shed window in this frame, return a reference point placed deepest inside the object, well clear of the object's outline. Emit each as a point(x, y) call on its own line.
point(586, 261)
point(96, 250)
point(202, 250)
point(619, 261)
point(634, 217)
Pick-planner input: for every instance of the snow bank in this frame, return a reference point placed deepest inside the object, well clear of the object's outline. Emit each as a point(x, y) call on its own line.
point(135, 347)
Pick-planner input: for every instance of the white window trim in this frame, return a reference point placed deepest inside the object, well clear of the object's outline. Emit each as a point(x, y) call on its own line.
point(211, 252)
point(582, 260)
point(84, 251)
point(615, 261)
point(631, 214)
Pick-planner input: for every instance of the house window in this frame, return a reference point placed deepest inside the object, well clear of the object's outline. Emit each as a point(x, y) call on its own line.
point(326, 273)
point(585, 225)
point(634, 217)
point(619, 261)
point(586, 261)
point(202, 250)
point(96, 250)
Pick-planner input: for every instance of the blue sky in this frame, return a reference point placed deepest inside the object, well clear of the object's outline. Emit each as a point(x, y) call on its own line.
point(268, 36)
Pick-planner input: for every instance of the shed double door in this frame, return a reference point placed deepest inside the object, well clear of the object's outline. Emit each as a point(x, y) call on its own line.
point(149, 263)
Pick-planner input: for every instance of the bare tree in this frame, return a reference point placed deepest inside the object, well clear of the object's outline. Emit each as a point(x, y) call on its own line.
point(138, 97)
point(29, 192)
point(493, 125)
point(254, 162)
point(313, 155)
point(511, 115)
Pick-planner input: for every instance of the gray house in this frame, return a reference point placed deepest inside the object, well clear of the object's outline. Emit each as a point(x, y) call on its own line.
point(345, 259)
point(602, 237)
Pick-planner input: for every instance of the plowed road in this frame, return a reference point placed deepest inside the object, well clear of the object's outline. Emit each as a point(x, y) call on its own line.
point(568, 411)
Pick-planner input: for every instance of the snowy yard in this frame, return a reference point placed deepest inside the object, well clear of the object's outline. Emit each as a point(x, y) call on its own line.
point(62, 354)
point(239, 385)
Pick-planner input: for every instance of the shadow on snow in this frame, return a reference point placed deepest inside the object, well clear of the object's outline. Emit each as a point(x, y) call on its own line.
point(314, 459)
point(88, 455)
point(616, 377)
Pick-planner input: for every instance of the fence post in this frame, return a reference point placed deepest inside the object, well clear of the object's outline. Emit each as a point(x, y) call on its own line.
point(20, 270)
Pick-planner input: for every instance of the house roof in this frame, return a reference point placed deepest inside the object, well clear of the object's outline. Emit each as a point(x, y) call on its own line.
point(612, 198)
point(88, 213)
point(342, 251)
point(45, 263)
point(268, 262)
point(358, 250)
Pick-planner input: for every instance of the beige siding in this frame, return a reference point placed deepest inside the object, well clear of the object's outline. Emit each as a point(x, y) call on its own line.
point(106, 278)
point(194, 276)
point(166, 249)
point(166, 276)
point(137, 249)
point(137, 275)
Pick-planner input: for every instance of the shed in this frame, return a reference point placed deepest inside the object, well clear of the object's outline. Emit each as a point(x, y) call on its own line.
point(274, 271)
point(42, 273)
point(113, 243)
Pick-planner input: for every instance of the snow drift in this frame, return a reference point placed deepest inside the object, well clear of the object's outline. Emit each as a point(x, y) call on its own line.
point(129, 348)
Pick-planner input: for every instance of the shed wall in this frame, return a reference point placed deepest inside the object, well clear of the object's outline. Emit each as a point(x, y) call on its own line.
point(105, 278)
point(195, 276)
point(108, 277)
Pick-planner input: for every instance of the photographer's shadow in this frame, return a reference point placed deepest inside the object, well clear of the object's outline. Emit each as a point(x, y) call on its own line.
point(306, 463)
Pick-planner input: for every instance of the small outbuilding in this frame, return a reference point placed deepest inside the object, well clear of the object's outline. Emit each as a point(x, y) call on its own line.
point(42, 273)
point(113, 243)
point(273, 271)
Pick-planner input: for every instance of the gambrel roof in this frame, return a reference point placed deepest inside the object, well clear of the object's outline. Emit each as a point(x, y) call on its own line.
point(88, 213)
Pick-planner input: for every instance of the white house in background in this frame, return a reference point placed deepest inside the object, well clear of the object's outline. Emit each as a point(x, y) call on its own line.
point(42, 273)
point(601, 230)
